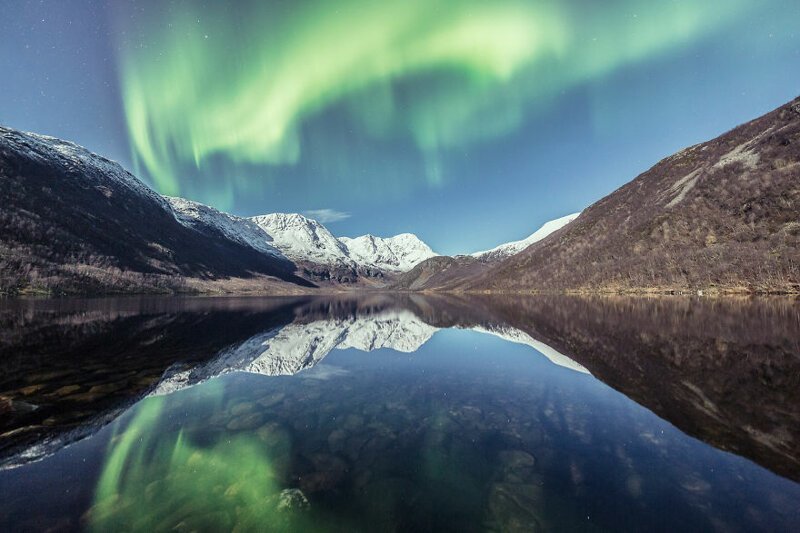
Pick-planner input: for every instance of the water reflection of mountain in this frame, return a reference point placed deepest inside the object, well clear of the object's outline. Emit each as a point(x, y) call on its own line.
point(727, 372)
point(300, 345)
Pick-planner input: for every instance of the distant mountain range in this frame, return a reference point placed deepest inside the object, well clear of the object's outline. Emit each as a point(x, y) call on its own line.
point(441, 272)
point(720, 216)
point(317, 253)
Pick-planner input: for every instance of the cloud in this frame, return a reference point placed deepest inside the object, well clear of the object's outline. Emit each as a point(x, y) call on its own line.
point(326, 215)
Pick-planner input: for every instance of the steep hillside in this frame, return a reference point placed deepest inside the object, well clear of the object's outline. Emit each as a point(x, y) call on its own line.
point(721, 215)
point(73, 221)
point(439, 273)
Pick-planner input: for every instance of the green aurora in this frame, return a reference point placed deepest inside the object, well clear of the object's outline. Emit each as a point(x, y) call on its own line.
point(215, 97)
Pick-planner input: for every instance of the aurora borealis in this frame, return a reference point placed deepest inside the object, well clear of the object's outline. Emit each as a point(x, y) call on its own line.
point(440, 74)
point(400, 113)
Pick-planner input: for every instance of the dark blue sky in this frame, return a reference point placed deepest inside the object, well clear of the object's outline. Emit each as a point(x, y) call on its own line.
point(468, 125)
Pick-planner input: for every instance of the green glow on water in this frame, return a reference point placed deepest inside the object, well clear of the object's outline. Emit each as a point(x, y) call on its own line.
point(155, 479)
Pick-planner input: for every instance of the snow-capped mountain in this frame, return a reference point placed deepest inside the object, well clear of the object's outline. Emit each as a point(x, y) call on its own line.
point(512, 248)
point(399, 253)
point(303, 239)
point(242, 230)
point(95, 170)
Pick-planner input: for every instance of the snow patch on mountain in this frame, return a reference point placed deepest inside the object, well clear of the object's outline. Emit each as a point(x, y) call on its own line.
point(512, 248)
point(399, 253)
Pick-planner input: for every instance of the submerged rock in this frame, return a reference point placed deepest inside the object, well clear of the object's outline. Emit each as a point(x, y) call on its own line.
point(329, 472)
point(242, 408)
point(337, 441)
point(272, 399)
point(516, 465)
point(515, 507)
point(246, 421)
point(292, 500)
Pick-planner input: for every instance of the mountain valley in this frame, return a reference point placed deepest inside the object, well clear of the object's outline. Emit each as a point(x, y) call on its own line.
point(720, 216)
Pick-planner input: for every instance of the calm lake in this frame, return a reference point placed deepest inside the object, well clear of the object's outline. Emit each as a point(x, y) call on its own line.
point(400, 413)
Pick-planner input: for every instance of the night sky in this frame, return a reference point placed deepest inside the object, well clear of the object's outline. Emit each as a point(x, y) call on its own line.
point(469, 123)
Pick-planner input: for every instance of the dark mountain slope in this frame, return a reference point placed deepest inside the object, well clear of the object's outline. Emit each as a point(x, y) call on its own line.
point(72, 221)
point(721, 215)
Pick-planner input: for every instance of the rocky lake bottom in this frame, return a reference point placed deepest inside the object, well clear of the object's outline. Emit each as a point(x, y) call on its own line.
point(398, 413)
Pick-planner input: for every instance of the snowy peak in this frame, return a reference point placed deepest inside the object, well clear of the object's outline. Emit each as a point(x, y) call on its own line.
point(244, 231)
point(399, 253)
point(512, 248)
point(303, 239)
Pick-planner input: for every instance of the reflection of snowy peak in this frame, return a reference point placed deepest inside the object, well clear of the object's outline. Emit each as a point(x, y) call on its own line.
point(520, 337)
point(512, 248)
point(295, 348)
point(199, 216)
point(399, 253)
point(299, 346)
point(402, 332)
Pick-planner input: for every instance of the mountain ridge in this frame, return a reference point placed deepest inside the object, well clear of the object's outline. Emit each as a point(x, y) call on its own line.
point(76, 222)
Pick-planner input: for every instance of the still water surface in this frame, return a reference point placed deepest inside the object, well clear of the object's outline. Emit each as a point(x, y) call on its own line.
point(397, 413)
